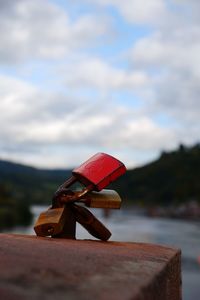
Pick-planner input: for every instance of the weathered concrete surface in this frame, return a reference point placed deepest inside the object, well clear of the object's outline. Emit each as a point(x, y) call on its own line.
point(45, 268)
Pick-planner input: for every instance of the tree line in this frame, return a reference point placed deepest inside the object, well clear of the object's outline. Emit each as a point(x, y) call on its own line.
point(171, 179)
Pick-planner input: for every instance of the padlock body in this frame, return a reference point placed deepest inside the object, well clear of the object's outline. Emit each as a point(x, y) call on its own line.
point(100, 170)
point(103, 199)
point(50, 222)
point(91, 223)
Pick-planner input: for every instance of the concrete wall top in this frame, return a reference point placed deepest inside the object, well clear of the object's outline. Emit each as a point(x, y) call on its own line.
point(46, 268)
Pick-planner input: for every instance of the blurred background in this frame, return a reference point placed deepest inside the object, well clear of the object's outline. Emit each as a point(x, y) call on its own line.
point(121, 77)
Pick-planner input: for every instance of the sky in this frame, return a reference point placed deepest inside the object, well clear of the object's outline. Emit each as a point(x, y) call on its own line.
point(86, 76)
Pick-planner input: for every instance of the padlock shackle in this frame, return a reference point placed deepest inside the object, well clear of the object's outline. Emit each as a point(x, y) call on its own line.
point(66, 196)
point(67, 183)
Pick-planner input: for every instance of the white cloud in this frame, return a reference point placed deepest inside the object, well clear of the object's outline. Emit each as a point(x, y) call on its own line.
point(96, 73)
point(137, 11)
point(179, 51)
point(30, 123)
point(67, 124)
point(40, 29)
point(170, 55)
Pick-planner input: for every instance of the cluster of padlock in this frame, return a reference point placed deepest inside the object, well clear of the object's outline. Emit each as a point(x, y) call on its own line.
point(68, 202)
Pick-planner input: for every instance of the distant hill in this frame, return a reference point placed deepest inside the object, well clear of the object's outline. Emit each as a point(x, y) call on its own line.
point(174, 178)
point(21, 186)
point(34, 185)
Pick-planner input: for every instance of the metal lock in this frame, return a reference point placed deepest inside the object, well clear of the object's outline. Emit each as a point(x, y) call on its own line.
point(96, 173)
point(99, 171)
point(91, 223)
point(103, 199)
point(50, 222)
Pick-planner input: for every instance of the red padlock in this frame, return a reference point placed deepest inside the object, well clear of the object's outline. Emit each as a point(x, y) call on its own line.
point(96, 173)
point(100, 170)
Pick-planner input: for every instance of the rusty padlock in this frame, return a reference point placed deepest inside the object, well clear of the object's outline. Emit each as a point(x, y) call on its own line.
point(103, 199)
point(91, 223)
point(50, 222)
point(96, 173)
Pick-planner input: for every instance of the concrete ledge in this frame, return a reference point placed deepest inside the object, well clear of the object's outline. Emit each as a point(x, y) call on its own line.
point(45, 268)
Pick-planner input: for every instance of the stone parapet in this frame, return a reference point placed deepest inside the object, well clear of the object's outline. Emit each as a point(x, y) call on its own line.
point(44, 268)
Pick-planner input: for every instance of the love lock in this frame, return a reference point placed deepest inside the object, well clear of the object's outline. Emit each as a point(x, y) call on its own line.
point(103, 199)
point(50, 222)
point(91, 223)
point(95, 174)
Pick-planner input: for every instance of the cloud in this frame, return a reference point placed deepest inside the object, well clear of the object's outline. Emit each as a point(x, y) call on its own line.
point(30, 121)
point(137, 11)
point(170, 55)
point(64, 122)
point(96, 73)
point(42, 30)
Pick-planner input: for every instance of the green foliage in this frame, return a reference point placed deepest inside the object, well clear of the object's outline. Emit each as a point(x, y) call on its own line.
point(21, 186)
point(30, 184)
point(172, 179)
point(12, 211)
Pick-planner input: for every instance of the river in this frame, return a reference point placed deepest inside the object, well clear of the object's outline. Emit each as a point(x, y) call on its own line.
point(127, 225)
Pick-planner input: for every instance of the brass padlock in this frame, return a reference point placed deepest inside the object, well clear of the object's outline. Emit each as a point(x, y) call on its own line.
point(50, 222)
point(103, 199)
point(91, 223)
